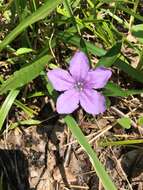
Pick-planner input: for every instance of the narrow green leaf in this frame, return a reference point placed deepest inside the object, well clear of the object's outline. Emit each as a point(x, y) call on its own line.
point(137, 31)
point(25, 75)
point(36, 94)
point(21, 51)
point(25, 108)
point(112, 89)
point(125, 122)
point(30, 122)
point(135, 74)
point(39, 14)
point(7, 105)
point(24, 122)
point(110, 57)
point(130, 12)
point(120, 143)
point(50, 88)
point(75, 40)
point(106, 181)
point(140, 121)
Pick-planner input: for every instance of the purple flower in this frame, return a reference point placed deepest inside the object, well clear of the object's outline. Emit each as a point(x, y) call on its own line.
point(79, 84)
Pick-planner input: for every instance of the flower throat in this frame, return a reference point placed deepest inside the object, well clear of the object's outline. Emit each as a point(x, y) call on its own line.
point(79, 86)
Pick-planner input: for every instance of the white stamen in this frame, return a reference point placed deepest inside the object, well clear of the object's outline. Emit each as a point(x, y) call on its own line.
point(79, 86)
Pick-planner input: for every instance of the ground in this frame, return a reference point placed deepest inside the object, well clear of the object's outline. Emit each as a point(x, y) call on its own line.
point(48, 157)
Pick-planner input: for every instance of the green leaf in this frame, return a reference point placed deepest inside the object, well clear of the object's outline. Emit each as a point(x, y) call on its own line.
point(140, 121)
point(24, 122)
point(76, 131)
point(75, 40)
point(39, 14)
point(130, 12)
point(112, 89)
point(21, 51)
point(110, 57)
point(25, 108)
point(137, 31)
point(7, 105)
point(125, 122)
point(120, 143)
point(132, 72)
point(36, 94)
point(108, 102)
point(25, 75)
point(30, 122)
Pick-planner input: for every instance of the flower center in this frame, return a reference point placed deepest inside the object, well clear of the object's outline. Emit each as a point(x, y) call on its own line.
point(79, 86)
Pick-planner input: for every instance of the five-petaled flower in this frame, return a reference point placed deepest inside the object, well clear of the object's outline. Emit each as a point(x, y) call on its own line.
point(79, 86)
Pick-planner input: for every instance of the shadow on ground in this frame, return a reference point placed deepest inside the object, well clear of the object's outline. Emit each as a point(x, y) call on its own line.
point(13, 170)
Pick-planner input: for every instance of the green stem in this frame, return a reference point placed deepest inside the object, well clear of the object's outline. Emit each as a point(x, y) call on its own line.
point(120, 143)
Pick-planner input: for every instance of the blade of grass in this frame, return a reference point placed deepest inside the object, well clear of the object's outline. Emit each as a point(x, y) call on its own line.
point(39, 14)
point(106, 181)
point(120, 143)
point(130, 12)
point(25, 122)
point(132, 17)
point(7, 105)
point(36, 94)
point(111, 56)
point(25, 108)
point(25, 75)
point(135, 74)
point(137, 31)
point(112, 89)
point(75, 40)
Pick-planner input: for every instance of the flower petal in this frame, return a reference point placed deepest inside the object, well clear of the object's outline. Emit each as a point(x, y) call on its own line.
point(60, 79)
point(92, 101)
point(79, 66)
point(97, 78)
point(67, 102)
